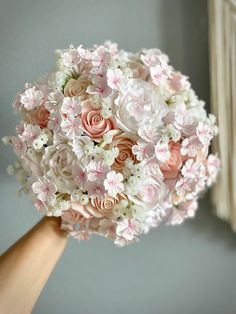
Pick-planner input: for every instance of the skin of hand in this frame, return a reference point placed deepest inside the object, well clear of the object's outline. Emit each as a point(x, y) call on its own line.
point(26, 266)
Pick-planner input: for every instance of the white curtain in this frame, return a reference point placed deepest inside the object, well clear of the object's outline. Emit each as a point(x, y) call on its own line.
point(222, 36)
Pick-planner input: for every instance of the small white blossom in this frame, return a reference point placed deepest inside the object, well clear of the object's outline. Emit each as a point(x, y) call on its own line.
point(40, 141)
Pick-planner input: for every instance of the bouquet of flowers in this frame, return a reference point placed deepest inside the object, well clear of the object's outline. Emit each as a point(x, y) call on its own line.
point(113, 142)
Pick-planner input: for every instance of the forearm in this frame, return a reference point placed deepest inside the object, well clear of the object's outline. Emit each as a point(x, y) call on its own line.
point(26, 266)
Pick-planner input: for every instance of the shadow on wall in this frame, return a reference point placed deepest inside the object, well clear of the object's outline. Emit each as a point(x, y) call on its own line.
point(210, 227)
point(189, 30)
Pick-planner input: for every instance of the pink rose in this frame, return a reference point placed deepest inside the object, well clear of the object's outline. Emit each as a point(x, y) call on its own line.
point(39, 116)
point(93, 122)
point(170, 168)
point(124, 142)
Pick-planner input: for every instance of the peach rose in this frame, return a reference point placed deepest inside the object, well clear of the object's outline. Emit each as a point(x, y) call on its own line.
point(81, 209)
point(73, 216)
point(39, 116)
point(170, 168)
point(93, 122)
point(124, 142)
point(103, 207)
point(77, 87)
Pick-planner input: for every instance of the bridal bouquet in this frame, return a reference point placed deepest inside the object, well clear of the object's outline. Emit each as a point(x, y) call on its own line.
point(113, 142)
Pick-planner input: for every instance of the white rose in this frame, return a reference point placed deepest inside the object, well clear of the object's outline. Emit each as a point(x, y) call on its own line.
point(150, 193)
point(136, 104)
point(58, 161)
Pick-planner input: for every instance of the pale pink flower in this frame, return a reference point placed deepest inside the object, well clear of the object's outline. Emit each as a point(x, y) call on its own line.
point(71, 127)
point(143, 150)
point(148, 133)
point(71, 106)
point(96, 190)
point(78, 145)
point(176, 217)
point(45, 190)
point(107, 228)
point(100, 56)
point(151, 57)
point(185, 186)
point(128, 228)
point(179, 82)
point(157, 74)
point(99, 71)
point(80, 176)
point(99, 87)
point(54, 121)
point(183, 120)
point(20, 128)
point(31, 98)
point(114, 78)
point(71, 58)
point(153, 219)
point(213, 167)
point(19, 146)
point(97, 170)
point(113, 183)
point(54, 101)
point(31, 132)
point(162, 152)
point(190, 146)
point(189, 207)
point(17, 104)
point(193, 169)
point(204, 133)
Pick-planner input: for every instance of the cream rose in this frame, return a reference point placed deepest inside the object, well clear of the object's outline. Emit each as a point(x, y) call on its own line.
point(58, 161)
point(77, 87)
point(93, 122)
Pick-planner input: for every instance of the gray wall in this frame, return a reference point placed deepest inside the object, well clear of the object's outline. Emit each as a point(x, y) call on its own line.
point(181, 270)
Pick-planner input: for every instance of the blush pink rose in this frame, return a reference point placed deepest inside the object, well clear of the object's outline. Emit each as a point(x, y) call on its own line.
point(171, 167)
point(93, 122)
point(39, 116)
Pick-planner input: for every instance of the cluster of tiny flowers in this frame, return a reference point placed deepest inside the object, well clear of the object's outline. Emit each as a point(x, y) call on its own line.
point(113, 142)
